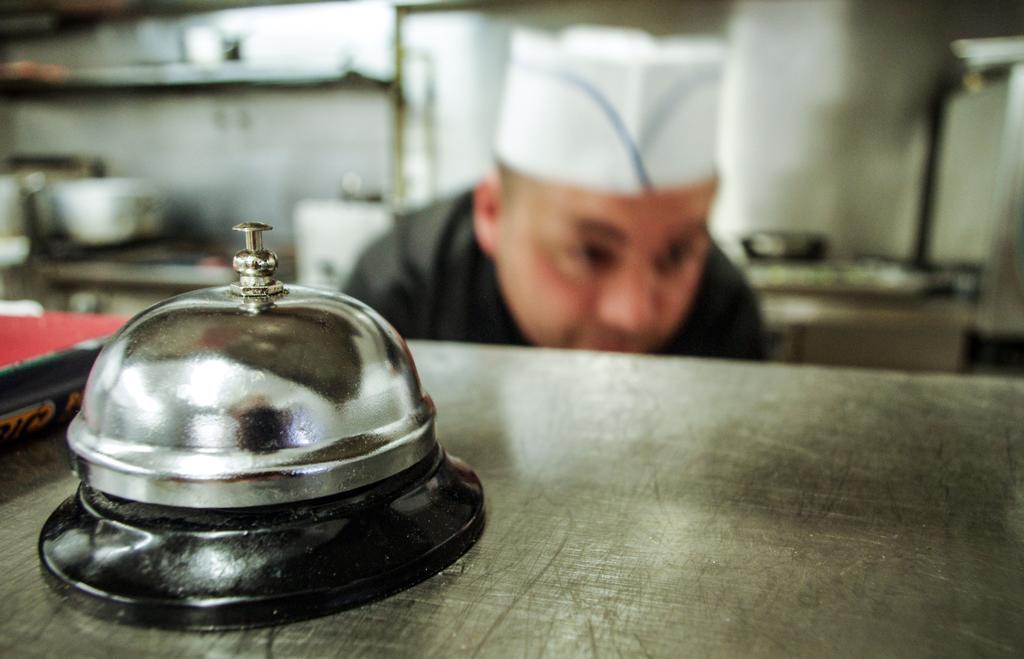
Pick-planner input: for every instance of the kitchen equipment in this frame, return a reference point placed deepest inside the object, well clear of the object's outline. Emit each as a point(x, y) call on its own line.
point(15, 244)
point(331, 235)
point(34, 174)
point(861, 278)
point(251, 454)
point(978, 191)
point(12, 217)
point(125, 279)
point(56, 167)
point(788, 245)
point(106, 211)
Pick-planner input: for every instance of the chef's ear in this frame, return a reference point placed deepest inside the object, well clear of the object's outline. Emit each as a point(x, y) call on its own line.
point(487, 212)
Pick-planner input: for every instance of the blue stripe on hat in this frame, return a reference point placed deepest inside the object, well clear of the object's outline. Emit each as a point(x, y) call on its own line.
point(604, 105)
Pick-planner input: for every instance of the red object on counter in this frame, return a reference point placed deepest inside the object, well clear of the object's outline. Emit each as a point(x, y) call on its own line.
point(44, 365)
point(25, 337)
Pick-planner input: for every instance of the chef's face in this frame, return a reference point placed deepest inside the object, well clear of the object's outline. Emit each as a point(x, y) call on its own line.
point(585, 269)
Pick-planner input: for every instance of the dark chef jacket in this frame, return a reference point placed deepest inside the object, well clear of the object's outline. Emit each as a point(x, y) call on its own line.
point(430, 279)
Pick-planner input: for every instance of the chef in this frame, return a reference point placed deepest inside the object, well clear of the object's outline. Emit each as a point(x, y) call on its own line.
point(592, 231)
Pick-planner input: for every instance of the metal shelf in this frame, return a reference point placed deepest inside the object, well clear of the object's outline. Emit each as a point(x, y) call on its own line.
point(186, 76)
point(100, 10)
point(77, 12)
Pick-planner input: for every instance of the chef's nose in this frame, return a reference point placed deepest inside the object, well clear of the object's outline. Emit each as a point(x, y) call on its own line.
point(629, 301)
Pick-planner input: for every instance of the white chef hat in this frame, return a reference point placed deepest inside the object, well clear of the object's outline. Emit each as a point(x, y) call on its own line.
point(610, 108)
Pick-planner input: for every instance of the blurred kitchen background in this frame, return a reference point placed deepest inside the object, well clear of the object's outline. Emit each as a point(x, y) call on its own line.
point(872, 152)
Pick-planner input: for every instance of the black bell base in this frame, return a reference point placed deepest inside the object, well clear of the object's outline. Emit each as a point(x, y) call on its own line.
point(215, 569)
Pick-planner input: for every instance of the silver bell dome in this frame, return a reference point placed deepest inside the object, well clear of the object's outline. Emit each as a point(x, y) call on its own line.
point(252, 394)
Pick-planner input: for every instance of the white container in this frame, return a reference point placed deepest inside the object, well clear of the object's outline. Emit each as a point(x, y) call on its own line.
point(204, 45)
point(106, 211)
point(331, 235)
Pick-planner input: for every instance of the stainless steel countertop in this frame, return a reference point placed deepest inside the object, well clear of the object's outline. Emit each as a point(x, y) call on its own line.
point(656, 506)
point(135, 275)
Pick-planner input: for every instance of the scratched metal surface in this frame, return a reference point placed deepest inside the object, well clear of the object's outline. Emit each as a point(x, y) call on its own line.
point(644, 506)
